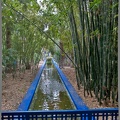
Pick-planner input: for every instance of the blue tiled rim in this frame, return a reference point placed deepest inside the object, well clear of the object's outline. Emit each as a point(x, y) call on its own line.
point(78, 102)
point(24, 106)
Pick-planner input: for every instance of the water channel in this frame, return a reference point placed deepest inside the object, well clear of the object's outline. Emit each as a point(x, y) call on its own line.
point(51, 93)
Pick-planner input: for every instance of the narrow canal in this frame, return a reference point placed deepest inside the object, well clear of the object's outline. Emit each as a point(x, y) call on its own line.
point(51, 93)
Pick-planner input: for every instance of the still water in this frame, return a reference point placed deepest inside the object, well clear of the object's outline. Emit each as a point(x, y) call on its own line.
point(51, 93)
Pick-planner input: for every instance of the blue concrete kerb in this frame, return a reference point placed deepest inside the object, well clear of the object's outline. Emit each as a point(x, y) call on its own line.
point(24, 106)
point(77, 100)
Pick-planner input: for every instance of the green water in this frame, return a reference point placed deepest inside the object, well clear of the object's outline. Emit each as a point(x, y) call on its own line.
point(51, 93)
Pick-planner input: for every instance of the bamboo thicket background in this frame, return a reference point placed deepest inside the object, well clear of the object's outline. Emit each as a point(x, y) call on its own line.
point(95, 47)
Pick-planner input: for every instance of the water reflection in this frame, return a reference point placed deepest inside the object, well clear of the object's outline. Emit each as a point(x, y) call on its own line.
point(51, 88)
point(45, 105)
point(51, 94)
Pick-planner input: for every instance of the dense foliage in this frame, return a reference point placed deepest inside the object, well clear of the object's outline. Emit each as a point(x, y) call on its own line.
point(84, 30)
point(22, 41)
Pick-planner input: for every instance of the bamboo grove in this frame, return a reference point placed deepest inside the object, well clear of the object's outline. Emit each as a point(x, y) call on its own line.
point(87, 31)
point(95, 47)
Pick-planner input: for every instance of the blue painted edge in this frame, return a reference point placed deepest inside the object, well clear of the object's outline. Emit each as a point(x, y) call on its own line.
point(77, 100)
point(24, 106)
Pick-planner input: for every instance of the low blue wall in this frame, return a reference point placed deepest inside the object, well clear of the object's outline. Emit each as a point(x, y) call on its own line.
point(112, 114)
point(24, 106)
point(78, 102)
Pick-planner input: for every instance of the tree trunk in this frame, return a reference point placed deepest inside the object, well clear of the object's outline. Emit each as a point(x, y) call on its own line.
point(8, 45)
point(61, 55)
point(8, 36)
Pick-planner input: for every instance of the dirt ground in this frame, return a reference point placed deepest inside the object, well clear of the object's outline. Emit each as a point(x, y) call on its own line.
point(13, 90)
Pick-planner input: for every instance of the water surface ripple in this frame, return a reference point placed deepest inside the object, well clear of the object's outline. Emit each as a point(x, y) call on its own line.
point(51, 93)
